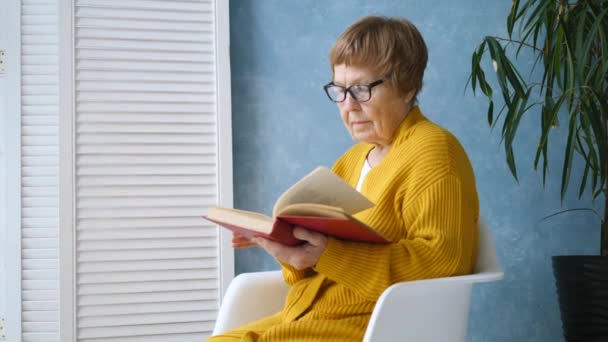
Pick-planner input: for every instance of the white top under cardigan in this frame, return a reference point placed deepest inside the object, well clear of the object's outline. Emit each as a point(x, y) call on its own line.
point(364, 171)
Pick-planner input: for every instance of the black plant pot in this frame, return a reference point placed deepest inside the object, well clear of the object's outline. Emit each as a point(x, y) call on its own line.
point(582, 289)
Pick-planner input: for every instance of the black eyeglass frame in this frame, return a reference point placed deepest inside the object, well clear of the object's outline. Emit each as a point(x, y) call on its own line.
point(347, 90)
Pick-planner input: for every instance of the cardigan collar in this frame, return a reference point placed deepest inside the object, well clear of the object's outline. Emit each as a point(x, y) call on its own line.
point(404, 130)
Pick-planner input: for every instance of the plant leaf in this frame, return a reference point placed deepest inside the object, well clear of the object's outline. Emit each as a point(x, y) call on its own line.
point(490, 112)
point(497, 54)
point(535, 19)
point(567, 167)
point(511, 163)
point(568, 210)
point(583, 186)
point(512, 17)
point(581, 55)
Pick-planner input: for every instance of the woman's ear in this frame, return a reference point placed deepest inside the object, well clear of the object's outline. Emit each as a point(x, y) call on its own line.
point(410, 95)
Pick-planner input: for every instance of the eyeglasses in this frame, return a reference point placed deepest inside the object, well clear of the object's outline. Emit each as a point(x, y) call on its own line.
point(359, 92)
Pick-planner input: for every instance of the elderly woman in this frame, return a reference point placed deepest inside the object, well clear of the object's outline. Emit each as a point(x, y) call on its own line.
point(416, 173)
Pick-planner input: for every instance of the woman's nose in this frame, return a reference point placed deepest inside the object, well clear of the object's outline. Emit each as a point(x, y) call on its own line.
point(349, 102)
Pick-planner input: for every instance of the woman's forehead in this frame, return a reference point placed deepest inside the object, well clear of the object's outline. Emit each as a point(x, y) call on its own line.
point(352, 74)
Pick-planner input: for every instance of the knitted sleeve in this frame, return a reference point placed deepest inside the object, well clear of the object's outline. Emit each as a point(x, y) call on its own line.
point(290, 274)
point(441, 239)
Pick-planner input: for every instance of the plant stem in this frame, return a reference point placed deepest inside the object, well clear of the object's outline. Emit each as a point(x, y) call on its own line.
point(516, 42)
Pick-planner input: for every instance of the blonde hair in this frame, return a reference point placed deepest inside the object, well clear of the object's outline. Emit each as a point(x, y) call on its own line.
point(392, 47)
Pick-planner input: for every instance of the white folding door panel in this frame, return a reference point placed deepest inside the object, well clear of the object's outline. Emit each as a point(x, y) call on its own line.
point(150, 151)
point(39, 171)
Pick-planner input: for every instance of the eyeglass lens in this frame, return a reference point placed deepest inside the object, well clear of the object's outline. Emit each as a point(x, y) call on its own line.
point(360, 92)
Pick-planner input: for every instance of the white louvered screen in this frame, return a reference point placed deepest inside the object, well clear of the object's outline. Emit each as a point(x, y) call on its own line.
point(40, 172)
point(146, 167)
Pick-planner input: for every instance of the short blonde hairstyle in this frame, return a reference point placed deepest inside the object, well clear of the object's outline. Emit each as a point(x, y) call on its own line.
point(392, 47)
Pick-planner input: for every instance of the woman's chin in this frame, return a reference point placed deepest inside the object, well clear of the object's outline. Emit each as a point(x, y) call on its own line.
point(363, 138)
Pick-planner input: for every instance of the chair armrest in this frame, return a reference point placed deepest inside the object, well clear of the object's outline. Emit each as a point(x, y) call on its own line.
point(418, 307)
point(429, 310)
point(249, 297)
point(484, 277)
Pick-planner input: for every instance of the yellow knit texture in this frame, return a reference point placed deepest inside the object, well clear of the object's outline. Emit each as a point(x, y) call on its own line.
point(425, 203)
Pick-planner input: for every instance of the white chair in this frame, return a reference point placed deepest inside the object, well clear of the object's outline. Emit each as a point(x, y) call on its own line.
point(434, 310)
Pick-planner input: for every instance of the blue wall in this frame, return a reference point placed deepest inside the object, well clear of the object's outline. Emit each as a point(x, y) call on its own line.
point(283, 126)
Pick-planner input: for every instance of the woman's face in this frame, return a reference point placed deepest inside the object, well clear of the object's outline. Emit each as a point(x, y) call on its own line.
point(374, 121)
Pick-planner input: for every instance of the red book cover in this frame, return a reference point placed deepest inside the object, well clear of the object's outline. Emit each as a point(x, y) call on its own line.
point(281, 231)
point(341, 228)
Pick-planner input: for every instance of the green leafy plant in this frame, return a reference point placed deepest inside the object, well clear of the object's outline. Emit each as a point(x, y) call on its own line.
point(569, 40)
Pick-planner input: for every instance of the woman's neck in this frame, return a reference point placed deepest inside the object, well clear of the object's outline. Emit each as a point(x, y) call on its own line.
point(377, 154)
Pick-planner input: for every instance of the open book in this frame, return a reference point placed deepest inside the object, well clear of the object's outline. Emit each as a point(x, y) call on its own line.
point(321, 201)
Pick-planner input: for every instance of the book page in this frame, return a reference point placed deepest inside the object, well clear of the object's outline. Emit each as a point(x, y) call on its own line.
point(313, 209)
point(242, 218)
point(322, 186)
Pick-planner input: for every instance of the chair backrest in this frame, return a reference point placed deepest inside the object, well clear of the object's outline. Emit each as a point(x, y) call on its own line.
point(433, 310)
point(487, 259)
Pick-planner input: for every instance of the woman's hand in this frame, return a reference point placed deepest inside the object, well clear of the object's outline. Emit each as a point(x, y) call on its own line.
point(240, 242)
point(301, 256)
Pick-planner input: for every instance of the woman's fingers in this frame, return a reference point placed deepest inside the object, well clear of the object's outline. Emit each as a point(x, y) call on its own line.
point(239, 241)
point(312, 237)
point(299, 256)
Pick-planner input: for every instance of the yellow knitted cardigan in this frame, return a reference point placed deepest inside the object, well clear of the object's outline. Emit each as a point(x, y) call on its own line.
point(425, 203)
